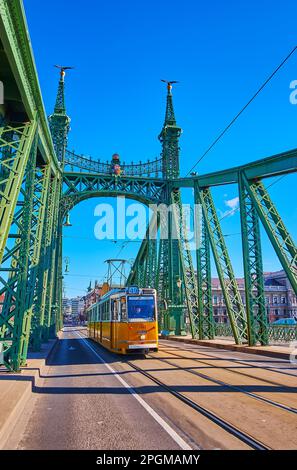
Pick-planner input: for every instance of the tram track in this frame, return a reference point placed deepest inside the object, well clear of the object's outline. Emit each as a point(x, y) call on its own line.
point(237, 361)
point(208, 410)
point(222, 423)
point(224, 384)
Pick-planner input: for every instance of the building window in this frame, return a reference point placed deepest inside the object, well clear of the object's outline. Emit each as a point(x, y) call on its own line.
point(215, 299)
point(284, 300)
point(275, 299)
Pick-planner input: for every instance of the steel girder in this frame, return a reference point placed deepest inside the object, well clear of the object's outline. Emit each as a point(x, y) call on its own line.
point(206, 320)
point(19, 285)
point(233, 300)
point(24, 196)
point(15, 146)
point(20, 289)
point(40, 192)
point(54, 310)
point(15, 263)
point(162, 282)
point(279, 236)
point(151, 264)
point(253, 267)
point(83, 186)
point(184, 257)
point(44, 268)
point(143, 271)
point(135, 275)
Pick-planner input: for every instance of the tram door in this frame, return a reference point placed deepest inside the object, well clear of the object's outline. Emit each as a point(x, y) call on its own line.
point(113, 323)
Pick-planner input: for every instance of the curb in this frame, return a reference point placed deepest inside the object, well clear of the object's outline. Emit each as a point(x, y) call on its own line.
point(233, 347)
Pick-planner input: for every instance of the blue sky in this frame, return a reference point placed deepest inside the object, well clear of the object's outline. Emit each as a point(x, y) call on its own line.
point(220, 52)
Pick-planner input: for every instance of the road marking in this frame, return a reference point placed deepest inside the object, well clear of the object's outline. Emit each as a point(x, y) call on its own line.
point(179, 440)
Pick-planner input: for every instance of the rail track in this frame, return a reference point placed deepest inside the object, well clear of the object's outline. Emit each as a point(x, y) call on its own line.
point(230, 428)
point(238, 361)
point(224, 384)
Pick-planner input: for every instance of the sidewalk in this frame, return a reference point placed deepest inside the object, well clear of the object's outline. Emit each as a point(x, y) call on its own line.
point(280, 352)
point(16, 389)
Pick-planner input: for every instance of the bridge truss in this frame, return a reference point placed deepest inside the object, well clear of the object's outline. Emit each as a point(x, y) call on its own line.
point(41, 181)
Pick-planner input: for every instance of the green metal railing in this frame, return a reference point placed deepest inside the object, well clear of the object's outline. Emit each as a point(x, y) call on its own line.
point(281, 333)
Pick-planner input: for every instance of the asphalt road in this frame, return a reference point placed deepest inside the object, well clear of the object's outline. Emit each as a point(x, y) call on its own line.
point(83, 405)
point(93, 399)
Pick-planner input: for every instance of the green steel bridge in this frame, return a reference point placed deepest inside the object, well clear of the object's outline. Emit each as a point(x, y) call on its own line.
point(41, 181)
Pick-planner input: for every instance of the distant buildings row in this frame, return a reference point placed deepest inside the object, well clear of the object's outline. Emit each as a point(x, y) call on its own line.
point(76, 307)
point(280, 299)
point(73, 307)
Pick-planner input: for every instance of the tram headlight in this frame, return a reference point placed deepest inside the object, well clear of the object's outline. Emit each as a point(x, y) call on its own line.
point(142, 337)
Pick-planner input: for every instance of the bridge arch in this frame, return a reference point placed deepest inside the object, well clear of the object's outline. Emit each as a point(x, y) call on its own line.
point(68, 202)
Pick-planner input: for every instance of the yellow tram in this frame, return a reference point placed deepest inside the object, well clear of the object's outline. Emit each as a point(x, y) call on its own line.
point(125, 320)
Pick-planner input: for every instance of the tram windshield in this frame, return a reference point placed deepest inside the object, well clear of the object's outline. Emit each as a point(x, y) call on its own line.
point(141, 308)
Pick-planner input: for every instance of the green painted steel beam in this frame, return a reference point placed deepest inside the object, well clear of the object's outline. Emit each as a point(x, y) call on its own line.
point(17, 45)
point(281, 240)
point(41, 189)
point(233, 300)
point(44, 267)
point(144, 252)
point(186, 270)
point(15, 146)
point(253, 268)
point(276, 165)
point(14, 327)
point(205, 307)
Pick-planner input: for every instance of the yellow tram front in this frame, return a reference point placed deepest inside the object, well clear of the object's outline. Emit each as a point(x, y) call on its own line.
point(125, 320)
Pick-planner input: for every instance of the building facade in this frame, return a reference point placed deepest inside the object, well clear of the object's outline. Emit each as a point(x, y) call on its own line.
point(77, 307)
point(280, 299)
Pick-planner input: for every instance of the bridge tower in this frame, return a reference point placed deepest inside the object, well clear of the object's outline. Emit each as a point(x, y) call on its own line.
point(169, 138)
point(59, 123)
point(170, 288)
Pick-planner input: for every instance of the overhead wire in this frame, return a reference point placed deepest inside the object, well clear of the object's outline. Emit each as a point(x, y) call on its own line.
point(243, 109)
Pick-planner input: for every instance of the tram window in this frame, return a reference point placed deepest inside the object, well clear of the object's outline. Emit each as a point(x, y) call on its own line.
point(114, 310)
point(124, 316)
point(106, 316)
point(141, 308)
point(108, 310)
point(103, 312)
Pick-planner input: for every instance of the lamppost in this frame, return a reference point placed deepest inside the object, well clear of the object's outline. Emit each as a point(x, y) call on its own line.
point(67, 262)
point(67, 222)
